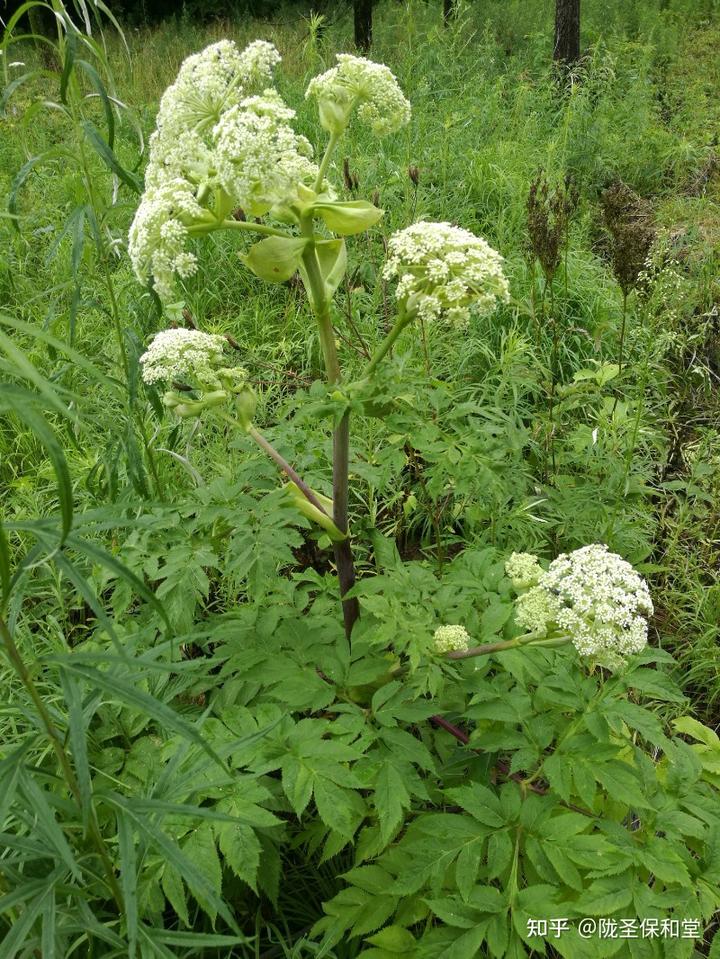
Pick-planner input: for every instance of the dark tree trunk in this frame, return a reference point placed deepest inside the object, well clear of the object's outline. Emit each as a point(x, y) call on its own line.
point(567, 31)
point(362, 11)
point(448, 11)
point(43, 24)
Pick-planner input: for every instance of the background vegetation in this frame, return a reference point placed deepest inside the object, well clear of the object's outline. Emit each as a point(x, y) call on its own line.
point(126, 533)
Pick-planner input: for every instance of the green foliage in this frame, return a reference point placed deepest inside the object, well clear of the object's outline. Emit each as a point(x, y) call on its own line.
point(193, 759)
point(593, 809)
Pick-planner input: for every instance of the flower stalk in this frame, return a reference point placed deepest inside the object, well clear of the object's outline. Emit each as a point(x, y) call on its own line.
point(200, 229)
point(486, 649)
point(325, 162)
point(320, 301)
point(403, 320)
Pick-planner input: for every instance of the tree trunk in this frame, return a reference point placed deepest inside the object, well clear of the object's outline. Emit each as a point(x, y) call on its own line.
point(43, 24)
point(362, 11)
point(567, 31)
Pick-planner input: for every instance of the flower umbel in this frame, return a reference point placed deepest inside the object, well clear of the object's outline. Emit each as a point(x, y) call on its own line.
point(596, 598)
point(210, 82)
point(187, 355)
point(450, 639)
point(216, 148)
point(358, 82)
point(259, 158)
point(197, 360)
point(159, 234)
point(445, 272)
point(523, 569)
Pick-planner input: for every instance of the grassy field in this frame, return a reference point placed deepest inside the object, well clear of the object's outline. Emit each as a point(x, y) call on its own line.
point(527, 431)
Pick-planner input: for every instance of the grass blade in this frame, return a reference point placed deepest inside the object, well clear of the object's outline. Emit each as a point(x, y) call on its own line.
point(18, 935)
point(177, 858)
point(78, 742)
point(106, 154)
point(176, 937)
point(27, 371)
point(24, 172)
point(36, 422)
point(102, 93)
point(48, 939)
point(128, 693)
point(128, 876)
point(45, 819)
point(4, 569)
point(100, 555)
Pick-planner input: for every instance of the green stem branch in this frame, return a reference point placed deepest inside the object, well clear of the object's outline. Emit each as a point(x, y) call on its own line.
point(530, 639)
point(267, 447)
point(324, 163)
point(247, 226)
point(402, 321)
point(286, 468)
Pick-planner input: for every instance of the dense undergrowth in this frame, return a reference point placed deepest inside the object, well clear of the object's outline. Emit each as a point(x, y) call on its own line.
point(188, 743)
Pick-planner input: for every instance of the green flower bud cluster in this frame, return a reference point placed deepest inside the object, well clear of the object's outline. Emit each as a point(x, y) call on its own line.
point(450, 639)
point(523, 569)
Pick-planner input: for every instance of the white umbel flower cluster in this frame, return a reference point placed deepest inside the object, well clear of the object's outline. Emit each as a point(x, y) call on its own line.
point(358, 82)
point(217, 146)
point(596, 598)
point(210, 82)
point(450, 639)
point(158, 235)
point(183, 355)
point(445, 272)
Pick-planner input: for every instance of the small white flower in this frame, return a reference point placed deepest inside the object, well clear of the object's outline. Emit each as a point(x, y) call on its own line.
point(450, 639)
point(445, 272)
point(596, 598)
point(358, 82)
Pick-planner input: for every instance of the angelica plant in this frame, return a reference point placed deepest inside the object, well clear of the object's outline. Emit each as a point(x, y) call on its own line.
point(224, 141)
point(190, 742)
point(355, 722)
